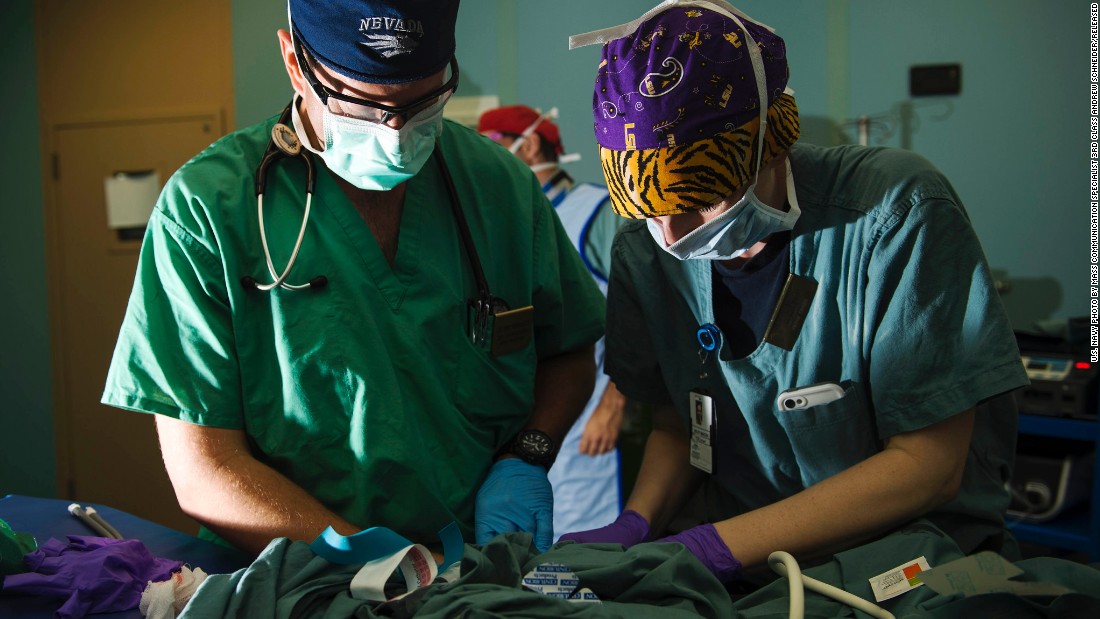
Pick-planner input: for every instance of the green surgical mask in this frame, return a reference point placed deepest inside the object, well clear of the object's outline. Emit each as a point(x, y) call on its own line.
point(374, 156)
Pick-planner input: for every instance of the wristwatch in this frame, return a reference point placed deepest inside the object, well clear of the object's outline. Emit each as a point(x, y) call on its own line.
point(533, 447)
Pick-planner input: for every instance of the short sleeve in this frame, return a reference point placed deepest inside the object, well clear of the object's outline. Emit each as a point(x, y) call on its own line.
point(939, 339)
point(175, 354)
point(569, 304)
point(631, 359)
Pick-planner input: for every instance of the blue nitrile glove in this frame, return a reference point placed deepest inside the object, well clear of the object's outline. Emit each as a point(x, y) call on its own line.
point(704, 542)
point(629, 528)
point(516, 496)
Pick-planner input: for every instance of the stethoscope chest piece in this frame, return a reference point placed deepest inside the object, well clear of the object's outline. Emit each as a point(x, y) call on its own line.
point(284, 138)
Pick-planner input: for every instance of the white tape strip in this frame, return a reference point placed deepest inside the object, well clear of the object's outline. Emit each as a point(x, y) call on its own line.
point(416, 565)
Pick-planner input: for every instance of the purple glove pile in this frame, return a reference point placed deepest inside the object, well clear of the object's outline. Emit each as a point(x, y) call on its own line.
point(93, 574)
point(703, 541)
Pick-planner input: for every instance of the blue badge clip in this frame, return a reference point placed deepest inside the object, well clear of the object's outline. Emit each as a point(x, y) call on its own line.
point(709, 337)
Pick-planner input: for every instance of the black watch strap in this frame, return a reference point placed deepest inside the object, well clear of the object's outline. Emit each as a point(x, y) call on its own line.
point(533, 447)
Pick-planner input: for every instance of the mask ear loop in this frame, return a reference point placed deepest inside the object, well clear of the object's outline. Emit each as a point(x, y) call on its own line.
point(548, 165)
point(552, 113)
point(761, 91)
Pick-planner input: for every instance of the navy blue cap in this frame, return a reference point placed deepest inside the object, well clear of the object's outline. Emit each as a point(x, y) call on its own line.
point(377, 41)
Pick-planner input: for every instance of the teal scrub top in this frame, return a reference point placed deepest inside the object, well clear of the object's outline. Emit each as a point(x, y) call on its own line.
point(905, 318)
point(367, 393)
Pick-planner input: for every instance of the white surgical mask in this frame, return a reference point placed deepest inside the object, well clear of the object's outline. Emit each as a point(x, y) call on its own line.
point(552, 165)
point(732, 233)
point(546, 165)
point(374, 156)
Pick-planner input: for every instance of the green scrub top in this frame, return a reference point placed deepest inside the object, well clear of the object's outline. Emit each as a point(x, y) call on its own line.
point(367, 393)
point(905, 319)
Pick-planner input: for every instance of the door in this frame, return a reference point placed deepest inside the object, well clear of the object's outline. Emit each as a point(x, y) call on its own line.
point(112, 455)
point(124, 86)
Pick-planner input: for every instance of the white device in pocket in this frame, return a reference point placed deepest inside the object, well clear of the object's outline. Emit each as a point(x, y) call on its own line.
point(805, 397)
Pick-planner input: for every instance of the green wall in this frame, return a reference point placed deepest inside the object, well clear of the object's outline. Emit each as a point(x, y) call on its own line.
point(26, 407)
point(1014, 142)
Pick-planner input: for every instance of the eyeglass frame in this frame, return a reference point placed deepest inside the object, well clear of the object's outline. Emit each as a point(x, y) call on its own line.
point(388, 111)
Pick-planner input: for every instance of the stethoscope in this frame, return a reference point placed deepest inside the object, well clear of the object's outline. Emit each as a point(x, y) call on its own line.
point(285, 144)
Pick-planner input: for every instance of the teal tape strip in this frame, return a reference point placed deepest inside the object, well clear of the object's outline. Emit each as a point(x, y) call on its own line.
point(377, 542)
point(453, 546)
point(363, 547)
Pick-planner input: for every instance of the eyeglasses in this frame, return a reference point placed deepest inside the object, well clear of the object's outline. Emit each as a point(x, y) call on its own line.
point(371, 111)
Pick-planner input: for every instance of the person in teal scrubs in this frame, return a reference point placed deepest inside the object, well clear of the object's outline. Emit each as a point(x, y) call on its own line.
point(816, 328)
point(370, 390)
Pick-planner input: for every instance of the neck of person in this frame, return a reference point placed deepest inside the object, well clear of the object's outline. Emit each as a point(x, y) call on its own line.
point(381, 210)
point(744, 258)
point(546, 173)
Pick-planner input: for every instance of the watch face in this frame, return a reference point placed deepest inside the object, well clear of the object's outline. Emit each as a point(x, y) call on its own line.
point(535, 443)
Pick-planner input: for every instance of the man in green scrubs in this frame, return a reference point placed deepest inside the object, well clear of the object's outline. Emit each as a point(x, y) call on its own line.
point(368, 389)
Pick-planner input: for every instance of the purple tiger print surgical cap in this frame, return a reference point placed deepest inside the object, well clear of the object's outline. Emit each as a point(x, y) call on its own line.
point(682, 75)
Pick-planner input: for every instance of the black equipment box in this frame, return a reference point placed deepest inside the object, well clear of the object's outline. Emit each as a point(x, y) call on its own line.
point(1062, 385)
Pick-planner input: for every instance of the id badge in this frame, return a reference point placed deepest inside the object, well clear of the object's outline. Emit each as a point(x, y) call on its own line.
point(702, 426)
point(791, 311)
point(512, 330)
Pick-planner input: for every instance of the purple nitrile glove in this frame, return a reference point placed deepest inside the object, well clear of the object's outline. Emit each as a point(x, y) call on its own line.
point(704, 542)
point(92, 574)
point(629, 528)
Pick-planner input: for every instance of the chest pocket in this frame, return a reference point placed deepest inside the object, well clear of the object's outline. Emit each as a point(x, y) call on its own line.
point(294, 360)
point(829, 438)
point(493, 392)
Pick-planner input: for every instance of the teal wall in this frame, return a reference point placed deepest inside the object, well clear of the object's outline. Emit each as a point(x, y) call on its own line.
point(1014, 142)
point(261, 87)
point(26, 407)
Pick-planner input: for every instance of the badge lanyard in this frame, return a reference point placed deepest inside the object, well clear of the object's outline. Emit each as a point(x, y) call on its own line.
point(701, 405)
point(510, 328)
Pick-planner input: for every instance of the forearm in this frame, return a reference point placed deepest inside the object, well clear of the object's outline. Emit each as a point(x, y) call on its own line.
point(609, 411)
point(666, 479)
point(900, 483)
point(563, 384)
point(249, 504)
point(222, 486)
point(601, 432)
